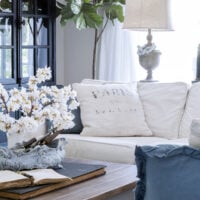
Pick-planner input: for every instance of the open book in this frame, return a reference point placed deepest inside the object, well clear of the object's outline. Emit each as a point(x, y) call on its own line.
point(11, 179)
point(77, 172)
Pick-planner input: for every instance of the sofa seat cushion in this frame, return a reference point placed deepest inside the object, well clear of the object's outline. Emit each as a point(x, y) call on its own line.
point(113, 149)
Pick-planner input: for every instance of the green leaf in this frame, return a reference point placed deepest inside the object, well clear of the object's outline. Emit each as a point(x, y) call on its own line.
point(85, 13)
point(115, 12)
point(66, 12)
point(87, 1)
point(80, 22)
point(100, 3)
point(122, 2)
point(63, 21)
point(5, 4)
point(60, 5)
point(92, 18)
point(76, 6)
point(119, 1)
point(58, 10)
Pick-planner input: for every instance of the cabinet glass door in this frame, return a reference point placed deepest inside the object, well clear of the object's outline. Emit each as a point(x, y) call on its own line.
point(7, 47)
point(27, 39)
point(35, 36)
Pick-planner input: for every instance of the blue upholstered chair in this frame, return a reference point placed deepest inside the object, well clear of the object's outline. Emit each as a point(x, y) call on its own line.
point(168, 172)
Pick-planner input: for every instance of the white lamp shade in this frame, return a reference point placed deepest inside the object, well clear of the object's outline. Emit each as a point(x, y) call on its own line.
point(147, 14)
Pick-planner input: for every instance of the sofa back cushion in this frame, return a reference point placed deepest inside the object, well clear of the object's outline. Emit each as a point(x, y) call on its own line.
point(192, 110)
point(163, 105)
point(111, 110)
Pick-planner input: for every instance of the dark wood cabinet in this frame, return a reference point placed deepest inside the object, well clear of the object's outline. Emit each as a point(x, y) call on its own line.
point(27, 39)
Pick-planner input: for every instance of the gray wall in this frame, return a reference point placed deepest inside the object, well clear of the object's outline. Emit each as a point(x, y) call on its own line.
point(74, 53)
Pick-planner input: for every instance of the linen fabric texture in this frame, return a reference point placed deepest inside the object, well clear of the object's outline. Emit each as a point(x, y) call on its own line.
point(111, 110)
point(192, 110)
point(111, 149)
point(102, 82)
point(167, 172)
point(163, 105)
point(194, 136)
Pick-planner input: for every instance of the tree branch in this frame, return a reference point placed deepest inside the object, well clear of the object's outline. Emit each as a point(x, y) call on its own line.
point(4, 103)
point(94, 54)
point(96, 39)
point(100, 34)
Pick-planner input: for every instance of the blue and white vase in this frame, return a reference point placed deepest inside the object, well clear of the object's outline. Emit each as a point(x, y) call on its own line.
point(37, 133)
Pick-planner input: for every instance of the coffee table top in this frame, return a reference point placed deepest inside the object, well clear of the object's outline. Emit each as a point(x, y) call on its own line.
point(118, 178)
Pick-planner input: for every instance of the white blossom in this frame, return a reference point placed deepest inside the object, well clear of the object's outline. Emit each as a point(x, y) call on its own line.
point(13, 104)
point(37, 104)
point(32, 82)
point(3, 94)
point(43, 74)
point(73, 105)
point(23, 125)
point(6, 122)
point(66, 122)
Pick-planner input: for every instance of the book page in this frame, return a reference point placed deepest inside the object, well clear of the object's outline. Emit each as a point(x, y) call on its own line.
point(10, 179)
point(44, 176)
point(8, 175)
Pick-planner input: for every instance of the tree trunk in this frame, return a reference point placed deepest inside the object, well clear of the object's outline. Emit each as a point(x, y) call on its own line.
point(94, 55)
point(97, 36)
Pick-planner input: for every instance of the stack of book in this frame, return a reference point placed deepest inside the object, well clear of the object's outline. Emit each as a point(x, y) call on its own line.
point(30, 183)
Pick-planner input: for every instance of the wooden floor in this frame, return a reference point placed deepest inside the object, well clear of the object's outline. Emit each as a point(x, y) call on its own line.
point(119, 179)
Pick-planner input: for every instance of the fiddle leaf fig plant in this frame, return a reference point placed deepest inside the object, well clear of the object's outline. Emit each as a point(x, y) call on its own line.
point(91, 14)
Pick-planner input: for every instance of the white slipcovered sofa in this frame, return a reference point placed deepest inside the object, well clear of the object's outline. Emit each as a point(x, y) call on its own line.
point(168, 110)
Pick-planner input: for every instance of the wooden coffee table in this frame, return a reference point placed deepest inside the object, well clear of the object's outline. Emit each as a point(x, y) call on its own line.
point(117, 183)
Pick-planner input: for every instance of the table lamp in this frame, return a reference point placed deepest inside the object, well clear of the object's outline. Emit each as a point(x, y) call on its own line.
point(148, 15)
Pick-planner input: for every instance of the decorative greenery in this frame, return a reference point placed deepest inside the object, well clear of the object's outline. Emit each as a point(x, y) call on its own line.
point(91, 14)
point(5, 4)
